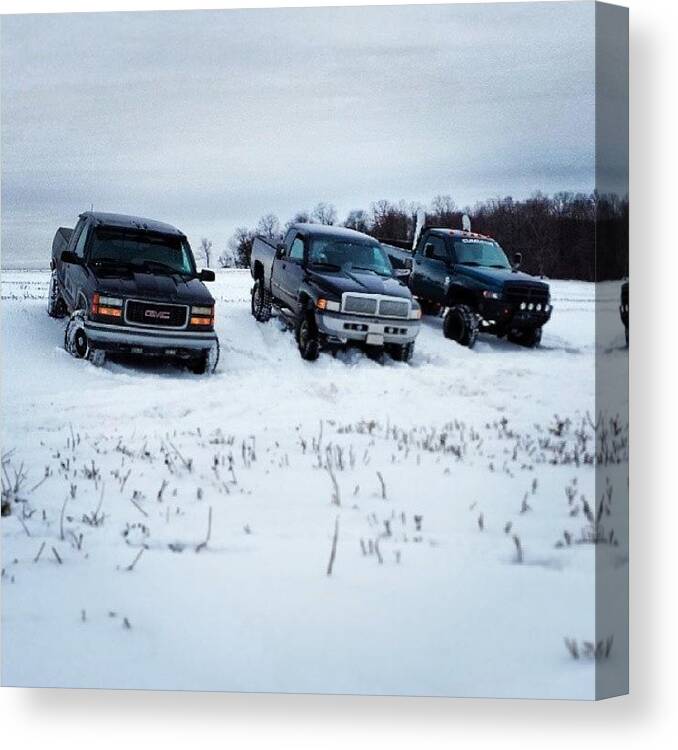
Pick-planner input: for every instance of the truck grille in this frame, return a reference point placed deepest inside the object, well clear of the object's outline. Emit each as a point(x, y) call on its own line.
point(394, 308)
point(519, 292)
point(155, 314)
point(360, 305)
point(375, 304)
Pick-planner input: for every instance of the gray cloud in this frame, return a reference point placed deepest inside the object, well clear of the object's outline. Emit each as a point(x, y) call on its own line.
point(209, 119)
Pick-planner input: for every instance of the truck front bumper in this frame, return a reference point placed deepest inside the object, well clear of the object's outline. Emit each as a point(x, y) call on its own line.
point(342, 328)
point(505, 316)
point(154, 342)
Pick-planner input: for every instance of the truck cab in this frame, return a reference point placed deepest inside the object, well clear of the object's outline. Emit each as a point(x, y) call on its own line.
point(469, 275)
point(130, 286)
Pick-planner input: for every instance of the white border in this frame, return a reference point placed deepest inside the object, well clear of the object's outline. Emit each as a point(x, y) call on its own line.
point(71, 719)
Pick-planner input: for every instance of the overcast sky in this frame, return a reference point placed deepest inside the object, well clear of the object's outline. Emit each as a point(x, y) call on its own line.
point(210, 119)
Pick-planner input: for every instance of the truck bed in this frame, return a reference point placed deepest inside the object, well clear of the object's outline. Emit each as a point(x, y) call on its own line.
point(60, 241)
point(399, 257)
point(261, 260)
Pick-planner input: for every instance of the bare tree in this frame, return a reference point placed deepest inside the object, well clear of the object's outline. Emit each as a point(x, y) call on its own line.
point(227, 259)
point(300, 217)
point(241, 246)
point(324, 213)
point(443, 204)
point(444, 212)
point(269, 226)
point(567, 235)
point(391, 220)
point(538, 212)
point(358, 220)
point(206, 250)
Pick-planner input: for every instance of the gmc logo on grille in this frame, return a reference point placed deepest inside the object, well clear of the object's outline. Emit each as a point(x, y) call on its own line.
point(157, 314)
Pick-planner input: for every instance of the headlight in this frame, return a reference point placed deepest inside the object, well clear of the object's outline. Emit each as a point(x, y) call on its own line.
point(491, 295)
point(110, 301)
point(202, 315)
point(327, 304)
point(110, 307)
point(522, 305)
point(415, 313)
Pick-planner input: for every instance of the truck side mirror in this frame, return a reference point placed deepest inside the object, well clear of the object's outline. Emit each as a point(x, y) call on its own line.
point(401, 274)
point(428, 250)
point(68, 256)
point(280, 250)
point(206, 275)
point(517, 260)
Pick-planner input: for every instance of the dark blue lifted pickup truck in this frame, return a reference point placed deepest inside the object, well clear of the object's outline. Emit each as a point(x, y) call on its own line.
point(469, 276)
point(130, 286)
point(334, 286)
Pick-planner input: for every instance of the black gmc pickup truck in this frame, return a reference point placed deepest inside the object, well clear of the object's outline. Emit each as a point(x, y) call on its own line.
point(469, 275)
point(130, 286)
point(334, 286)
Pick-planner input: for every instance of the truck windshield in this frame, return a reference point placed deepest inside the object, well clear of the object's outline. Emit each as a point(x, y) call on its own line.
point(476, 252)
point(345, 255)
point(147, 251)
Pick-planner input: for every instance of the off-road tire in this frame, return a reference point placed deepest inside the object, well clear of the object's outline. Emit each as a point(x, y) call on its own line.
point(308, 339)
point(56, 307)
point(527, 337)
point(207, 363)
point(76, 342)
point(261, 301)
point(401, 352)
point(375, 354)
point(96, 356)
point(533, 337)
point(461, 325)
point(430, 308)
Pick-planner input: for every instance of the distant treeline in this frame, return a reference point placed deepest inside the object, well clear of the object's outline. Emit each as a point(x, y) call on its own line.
point(566, 235)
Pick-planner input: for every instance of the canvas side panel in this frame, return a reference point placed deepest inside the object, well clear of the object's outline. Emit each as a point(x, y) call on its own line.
point(609, 525)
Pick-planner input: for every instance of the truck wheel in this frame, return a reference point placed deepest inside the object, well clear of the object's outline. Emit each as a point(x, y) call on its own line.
point(307, 338)
point(429, 308)
point(401, 352)
point(56, 307)
point(530, 338)
point(375, 353)
point(461, 325)
point(75, 336)
point(533, 337)
point(206, 364)
point(261, 301)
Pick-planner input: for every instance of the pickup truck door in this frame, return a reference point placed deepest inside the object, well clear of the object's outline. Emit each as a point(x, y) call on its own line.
point(73, 277)
point(288, 273)
point(433, 268)
point(416, 280)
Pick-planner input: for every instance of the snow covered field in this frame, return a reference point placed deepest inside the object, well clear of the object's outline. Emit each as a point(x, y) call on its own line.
point(461, 486)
